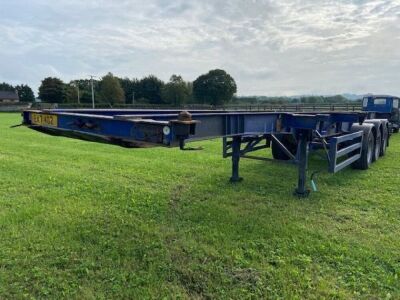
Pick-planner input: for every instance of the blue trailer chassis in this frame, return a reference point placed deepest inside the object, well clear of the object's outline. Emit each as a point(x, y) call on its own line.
point(242, 132)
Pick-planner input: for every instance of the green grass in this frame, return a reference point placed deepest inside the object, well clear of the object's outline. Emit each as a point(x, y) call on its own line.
point(89, 221)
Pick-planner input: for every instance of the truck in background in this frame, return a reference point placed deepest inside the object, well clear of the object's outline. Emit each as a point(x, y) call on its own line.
point(383, 107)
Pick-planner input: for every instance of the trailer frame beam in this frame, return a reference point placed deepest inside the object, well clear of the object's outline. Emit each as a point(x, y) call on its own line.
point(168, 128)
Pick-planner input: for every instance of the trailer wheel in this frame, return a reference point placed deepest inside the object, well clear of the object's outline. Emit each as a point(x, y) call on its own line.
point(288, 141)
point(384, 143)
point(367, 152)
point(377, 145)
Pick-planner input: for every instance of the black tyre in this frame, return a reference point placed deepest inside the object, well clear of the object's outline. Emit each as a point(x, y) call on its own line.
point(288, 141)
point(367, 151)
point(377, 146)
point(384, 142)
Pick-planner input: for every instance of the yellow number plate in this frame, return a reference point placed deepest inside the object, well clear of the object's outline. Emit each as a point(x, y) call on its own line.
point(44, 119)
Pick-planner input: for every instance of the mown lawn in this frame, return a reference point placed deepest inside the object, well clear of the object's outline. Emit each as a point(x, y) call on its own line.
point(91, 221)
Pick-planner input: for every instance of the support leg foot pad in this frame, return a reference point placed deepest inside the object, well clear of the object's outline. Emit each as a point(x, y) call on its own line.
point(302, 194)
point(237, 179)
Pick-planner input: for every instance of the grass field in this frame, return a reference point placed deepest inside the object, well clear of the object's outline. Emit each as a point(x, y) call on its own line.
point(90, 221)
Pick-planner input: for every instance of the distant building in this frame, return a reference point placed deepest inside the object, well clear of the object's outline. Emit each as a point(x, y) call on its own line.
point(8, 97)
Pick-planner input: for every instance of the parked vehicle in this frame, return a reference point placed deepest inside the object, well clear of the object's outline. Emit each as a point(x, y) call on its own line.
point(383, 107)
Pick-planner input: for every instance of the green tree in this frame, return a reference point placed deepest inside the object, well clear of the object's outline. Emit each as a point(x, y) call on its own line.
point(131, 88)
point(216, 87)
point(110, 89)
point(6, 87)
point(25, 93)
point(189, 86)
point(336, 99)
point(71, 93)
point(85, 90)
point(52, 90)
point(86, 96)
point(150, 88)
point(176, 91)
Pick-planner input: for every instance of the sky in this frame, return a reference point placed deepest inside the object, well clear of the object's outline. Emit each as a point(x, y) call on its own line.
point(272, 48)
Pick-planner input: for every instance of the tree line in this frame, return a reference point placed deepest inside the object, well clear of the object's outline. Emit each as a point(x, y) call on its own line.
point(216, 87)
point(313, 99)
point(25, 93)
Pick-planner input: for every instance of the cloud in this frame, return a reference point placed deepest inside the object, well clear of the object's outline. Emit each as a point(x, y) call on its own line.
point(270, 47)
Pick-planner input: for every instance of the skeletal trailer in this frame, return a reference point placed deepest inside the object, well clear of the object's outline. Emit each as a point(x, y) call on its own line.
point(346, 138)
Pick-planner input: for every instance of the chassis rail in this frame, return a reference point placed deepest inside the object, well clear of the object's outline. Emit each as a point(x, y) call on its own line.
point(242, 132)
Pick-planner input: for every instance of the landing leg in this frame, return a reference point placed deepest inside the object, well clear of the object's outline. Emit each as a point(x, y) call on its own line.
point(301, 190)
point(236, 141)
